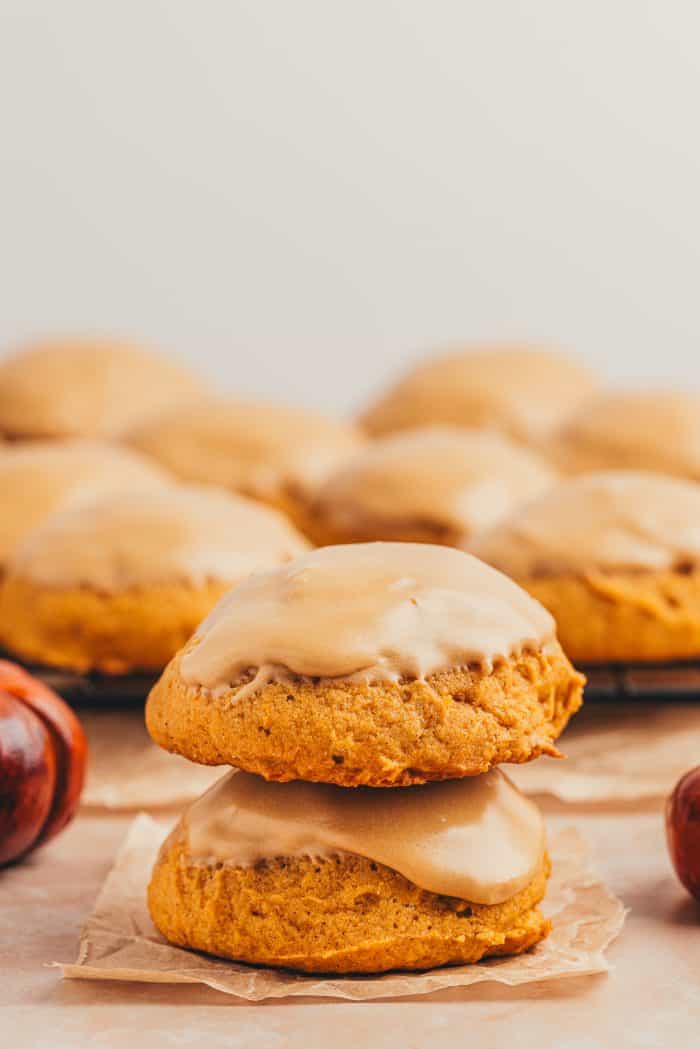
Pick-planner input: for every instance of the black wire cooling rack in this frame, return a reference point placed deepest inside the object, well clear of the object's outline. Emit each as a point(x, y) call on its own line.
point(670, 681)
point(103, 690)
point(680, 681)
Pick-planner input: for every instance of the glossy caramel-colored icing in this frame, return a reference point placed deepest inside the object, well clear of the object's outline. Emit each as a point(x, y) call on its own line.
point(87, 387)
point(634, 430)
point(526, 392)
point(41, 477)
point(600, 522)
point(464, 480)
point(478, 839)
point(387, 610)
point(173, 533)
point(249, 446)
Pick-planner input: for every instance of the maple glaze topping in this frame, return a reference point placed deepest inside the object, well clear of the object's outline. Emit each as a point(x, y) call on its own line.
point(478, 839)
point(387, 609)
point(173, 533)
point(603, 521)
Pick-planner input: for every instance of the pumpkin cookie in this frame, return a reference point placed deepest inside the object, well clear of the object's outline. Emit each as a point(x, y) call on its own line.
point(86, 389)
point(269, 452)
point(317, 878)
point(39, 477)
point(380, 664)
point(437, 484)
point(119, 584)
point(655, 430)
point(526, 393)
point(615, 557)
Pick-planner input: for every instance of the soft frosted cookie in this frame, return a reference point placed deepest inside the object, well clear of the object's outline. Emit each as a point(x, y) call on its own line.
point(655, 430)
point(119, 584)
point(526, 393)
point(322, 879)
point(271, 452)
point(615, 558)
point(382, 664)
point(39, 477)
point(436, 484)
point(86, 388)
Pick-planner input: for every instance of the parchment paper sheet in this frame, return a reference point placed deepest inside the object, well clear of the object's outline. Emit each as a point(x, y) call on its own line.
point(119, 941)
point(127, 771)
point(627, 751)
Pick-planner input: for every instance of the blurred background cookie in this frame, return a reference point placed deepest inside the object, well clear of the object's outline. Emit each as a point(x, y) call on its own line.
point(271, 452)
point(633, 430)
point(83, 388)
point(436, 484)
point(526, 393)
point(615, 558)
point(38, 478)
point(120, 584)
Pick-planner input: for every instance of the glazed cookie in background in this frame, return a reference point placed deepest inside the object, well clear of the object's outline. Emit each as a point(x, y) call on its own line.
point(38, 478)
point(119, 584)
point(383, 664)
point(526, 393)
point(615, 557)
point(271, 452)
point(655, 430)
point(318, 878)
point(86, 388)
point(437, 484)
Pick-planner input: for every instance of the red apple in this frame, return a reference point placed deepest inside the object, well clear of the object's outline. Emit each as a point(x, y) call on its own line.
point(43, 755)
point(683, 830)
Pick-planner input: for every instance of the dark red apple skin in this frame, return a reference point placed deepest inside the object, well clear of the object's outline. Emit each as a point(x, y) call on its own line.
point(43, 758)
point(27, 778)
point(683, 830)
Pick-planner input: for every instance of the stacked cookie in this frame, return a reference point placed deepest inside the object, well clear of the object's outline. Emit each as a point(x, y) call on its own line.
point(368, 693)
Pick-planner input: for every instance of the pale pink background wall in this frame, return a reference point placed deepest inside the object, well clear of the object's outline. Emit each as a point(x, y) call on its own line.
point(303, 194)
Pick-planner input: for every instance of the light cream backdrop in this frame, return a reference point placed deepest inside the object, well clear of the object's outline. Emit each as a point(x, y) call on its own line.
point(303, 194)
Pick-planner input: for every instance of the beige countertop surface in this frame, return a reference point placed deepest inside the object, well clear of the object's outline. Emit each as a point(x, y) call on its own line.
point(651, 996)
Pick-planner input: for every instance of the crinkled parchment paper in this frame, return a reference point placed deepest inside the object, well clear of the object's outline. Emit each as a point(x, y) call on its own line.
point(627, 751)
point(120, 942)
point(128, 771)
